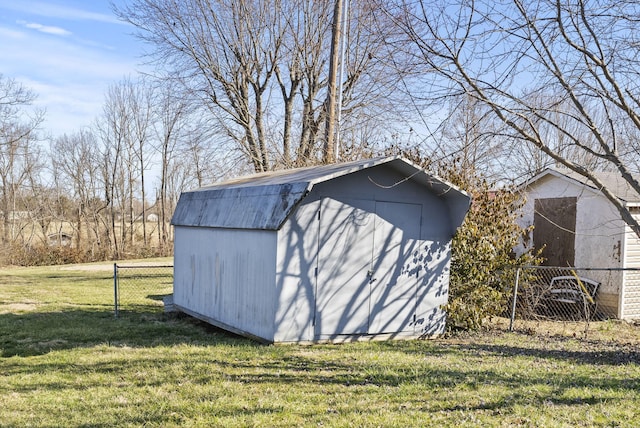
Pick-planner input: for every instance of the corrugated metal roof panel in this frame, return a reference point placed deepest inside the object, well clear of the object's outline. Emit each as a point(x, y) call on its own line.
point(264, 207)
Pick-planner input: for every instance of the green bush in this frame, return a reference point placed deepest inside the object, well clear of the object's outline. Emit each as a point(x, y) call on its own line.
point(483, 264)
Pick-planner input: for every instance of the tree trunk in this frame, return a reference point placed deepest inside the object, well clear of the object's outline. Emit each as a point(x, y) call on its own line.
point(328, 155)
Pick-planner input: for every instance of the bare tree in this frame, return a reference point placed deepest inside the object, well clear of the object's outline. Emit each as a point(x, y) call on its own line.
point(125, 129)
point(171, 112)
point(75, 166)
point(15, 121)
point(561, 76)
point(182, 135)
point(18, 164)
point(469, 138)
point(17, 148)
point(140, 99)
point(114, 130)
point(261, 67)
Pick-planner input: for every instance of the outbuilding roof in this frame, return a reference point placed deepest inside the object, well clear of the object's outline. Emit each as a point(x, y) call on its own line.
point(264, 201)
point(611, 180)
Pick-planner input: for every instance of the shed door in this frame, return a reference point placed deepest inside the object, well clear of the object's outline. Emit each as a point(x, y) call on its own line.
point(363, 285)
point(393, 285)
point(554, 222)
point(344, 258)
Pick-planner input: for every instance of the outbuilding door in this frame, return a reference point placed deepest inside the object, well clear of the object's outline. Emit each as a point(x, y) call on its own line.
point(363, 286)
point(393, 285)
point(554, 230)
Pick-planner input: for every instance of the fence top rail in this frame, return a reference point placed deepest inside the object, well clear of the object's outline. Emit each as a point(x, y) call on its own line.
point(141, 266)
point(578, 268)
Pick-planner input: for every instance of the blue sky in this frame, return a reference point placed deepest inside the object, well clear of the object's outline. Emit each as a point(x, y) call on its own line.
point(67, 52)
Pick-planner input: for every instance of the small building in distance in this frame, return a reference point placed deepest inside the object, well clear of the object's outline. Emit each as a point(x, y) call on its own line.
point(579, 227)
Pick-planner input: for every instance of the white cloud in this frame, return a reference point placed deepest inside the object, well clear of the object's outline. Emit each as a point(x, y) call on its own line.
point(69, 79)
point(57, 11)
point(7, 33)
point(47, 29)
point(68, 63)
point(61, 58)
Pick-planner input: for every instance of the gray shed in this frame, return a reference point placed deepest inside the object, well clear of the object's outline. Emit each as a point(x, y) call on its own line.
point(330, 253)
point(578, 226)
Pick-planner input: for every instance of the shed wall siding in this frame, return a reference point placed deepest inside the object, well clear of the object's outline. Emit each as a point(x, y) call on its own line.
point(227, 275)
point(339, 300)
point(630, 299)
point(430, 263)
point(386, 185)
point(434, 264)
point(295, 275)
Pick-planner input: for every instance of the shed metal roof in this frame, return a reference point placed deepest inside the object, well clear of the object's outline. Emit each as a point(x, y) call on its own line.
point(264, 201)
point(611, 180)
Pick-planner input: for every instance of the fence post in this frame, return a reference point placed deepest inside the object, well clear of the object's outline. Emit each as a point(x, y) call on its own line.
point(515, 298)
point(115, 289)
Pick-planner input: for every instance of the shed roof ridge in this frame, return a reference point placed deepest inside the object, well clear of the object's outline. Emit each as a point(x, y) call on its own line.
point(205, 192)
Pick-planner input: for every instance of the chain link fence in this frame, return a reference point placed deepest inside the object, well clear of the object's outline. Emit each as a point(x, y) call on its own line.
point(141, 287)
point(567, 299)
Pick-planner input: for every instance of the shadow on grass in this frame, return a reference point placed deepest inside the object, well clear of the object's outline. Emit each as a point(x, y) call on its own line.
point(246, 362)
point(595, 354)
point(441, 376)
point(37, 333)
point(452, 382)
point(77, 277)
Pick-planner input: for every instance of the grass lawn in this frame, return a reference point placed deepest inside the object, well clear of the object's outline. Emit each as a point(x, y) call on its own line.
point(66, 361)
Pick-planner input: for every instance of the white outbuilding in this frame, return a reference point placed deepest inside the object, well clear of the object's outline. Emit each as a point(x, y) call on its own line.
point(579, 227)
point(329, 253)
